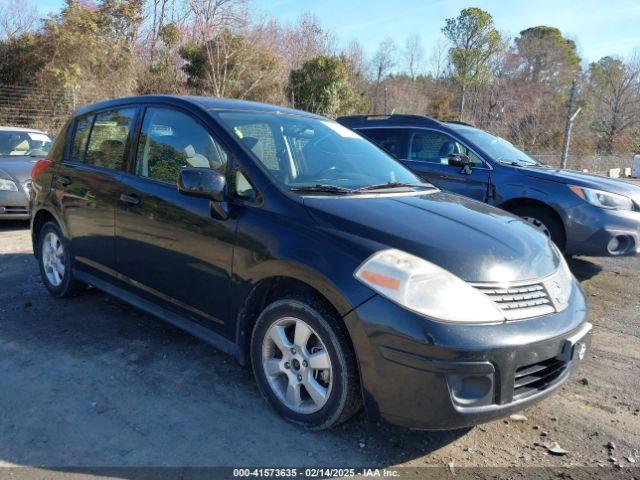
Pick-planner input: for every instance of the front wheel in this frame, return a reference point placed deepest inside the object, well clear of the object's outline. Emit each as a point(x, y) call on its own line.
point(304, 364)
point(544, 222)
point(54, 260)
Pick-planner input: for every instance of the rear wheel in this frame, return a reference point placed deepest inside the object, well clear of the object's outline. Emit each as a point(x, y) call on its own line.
point(304, 364)
point(543, 221)
point(54, 260)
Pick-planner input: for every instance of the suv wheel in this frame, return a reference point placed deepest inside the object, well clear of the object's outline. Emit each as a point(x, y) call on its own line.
point(544, 222)
point(304, 364)
point(54, 260)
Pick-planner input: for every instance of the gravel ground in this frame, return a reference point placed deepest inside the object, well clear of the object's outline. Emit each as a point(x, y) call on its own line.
point(90, 381)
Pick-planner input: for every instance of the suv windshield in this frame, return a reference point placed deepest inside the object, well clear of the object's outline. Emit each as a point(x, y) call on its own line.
point(16, 142)
point(498, 148)
point(303, 151)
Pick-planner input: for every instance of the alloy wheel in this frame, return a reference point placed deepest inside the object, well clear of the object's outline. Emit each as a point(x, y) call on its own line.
point(53, 258)
point(538, 225)
point(297, 365)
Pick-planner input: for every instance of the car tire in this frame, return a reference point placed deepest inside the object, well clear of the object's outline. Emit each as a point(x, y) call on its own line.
point(54, 261)
point(304, 363)
point(543, 221)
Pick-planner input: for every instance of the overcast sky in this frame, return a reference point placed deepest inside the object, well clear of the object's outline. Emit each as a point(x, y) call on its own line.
point(599, 27)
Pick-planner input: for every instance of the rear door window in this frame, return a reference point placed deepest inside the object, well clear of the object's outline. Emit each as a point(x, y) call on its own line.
point(392, 140)
point(80, 137)
point(109, 138)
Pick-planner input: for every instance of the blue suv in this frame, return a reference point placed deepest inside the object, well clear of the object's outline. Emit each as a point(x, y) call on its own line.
point(583, 214)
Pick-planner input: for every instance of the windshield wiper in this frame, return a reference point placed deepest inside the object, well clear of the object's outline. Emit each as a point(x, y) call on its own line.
point(510, 162)
point(382, 186)
point(519, 163)
point(322, 188)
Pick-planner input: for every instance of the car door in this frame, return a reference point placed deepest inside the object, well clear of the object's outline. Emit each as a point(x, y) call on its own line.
point(171, 248)
point(87, 184)
point(428, 155)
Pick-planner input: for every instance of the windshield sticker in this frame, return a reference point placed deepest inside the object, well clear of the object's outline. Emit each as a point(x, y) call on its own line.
point(340, 130)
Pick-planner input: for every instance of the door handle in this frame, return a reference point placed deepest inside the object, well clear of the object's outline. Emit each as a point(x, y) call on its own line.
point(131, 199)
point(64, 180)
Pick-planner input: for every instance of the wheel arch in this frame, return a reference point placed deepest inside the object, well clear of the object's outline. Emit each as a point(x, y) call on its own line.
point(41, 217)
point(513, 203)
point(271, 288)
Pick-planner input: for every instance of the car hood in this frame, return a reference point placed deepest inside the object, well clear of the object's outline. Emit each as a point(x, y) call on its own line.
point(588, 180)
point(19, 170)
point(474, 241)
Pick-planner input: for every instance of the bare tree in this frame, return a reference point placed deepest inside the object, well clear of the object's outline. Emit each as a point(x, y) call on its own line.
point(413, 54)
point(210, 17)
point(439, 58)
point(382, 63)
point(16, 18)
point(304, 40)
point(616, 87)
point(356, 56)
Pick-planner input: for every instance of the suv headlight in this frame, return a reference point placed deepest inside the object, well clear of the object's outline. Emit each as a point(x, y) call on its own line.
point(425, 288)
point(8, 185)
point(603, 199)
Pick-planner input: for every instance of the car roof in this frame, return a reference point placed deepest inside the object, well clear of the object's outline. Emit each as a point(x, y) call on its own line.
point(405, 120)
point(20, 129)
point(461, 126)
point(206, 103)
point(359, 121)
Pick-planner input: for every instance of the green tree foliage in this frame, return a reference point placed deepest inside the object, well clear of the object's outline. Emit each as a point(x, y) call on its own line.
point(474, 41)
point(21, 58)
point(92, 46)
point(546, 57)
point(96, 49)
point(321, 85)
point(163, 74)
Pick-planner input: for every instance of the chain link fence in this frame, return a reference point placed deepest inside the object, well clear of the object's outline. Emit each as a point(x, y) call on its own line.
point(44, 109)
point(48, 109)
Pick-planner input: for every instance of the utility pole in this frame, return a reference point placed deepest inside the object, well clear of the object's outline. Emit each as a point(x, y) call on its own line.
point(386, 100)
point(74, 98)
point(569, 125)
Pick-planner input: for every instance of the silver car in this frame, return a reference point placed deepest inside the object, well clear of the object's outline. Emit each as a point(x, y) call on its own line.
point(20, 149)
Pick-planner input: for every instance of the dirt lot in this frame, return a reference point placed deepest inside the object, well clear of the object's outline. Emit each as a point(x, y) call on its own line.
point(90, 381)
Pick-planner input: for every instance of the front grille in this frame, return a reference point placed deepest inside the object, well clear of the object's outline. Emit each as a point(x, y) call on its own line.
point(522, 301)
point(14, 210)
point(537, 377)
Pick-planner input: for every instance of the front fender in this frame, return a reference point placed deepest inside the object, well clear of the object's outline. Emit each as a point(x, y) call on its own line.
point(294, 248)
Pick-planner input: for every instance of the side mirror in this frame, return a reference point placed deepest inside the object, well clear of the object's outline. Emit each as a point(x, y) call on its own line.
point(202, 182)
point(459, 160)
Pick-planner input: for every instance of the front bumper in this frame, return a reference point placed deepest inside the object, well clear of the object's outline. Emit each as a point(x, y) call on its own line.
point(14, 205)
point(594, 231)
point(423, 374)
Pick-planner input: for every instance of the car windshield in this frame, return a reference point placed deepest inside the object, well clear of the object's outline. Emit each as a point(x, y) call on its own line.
point(304, 152)
point(18, 142)
point(498, 148)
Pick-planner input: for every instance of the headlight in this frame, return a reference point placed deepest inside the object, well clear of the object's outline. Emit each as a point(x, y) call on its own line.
point(603, 199)
point(425, 288)
point(7, 185)
point(560, 285)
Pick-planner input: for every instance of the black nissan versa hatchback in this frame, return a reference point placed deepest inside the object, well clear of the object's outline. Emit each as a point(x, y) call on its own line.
point(292, 243)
